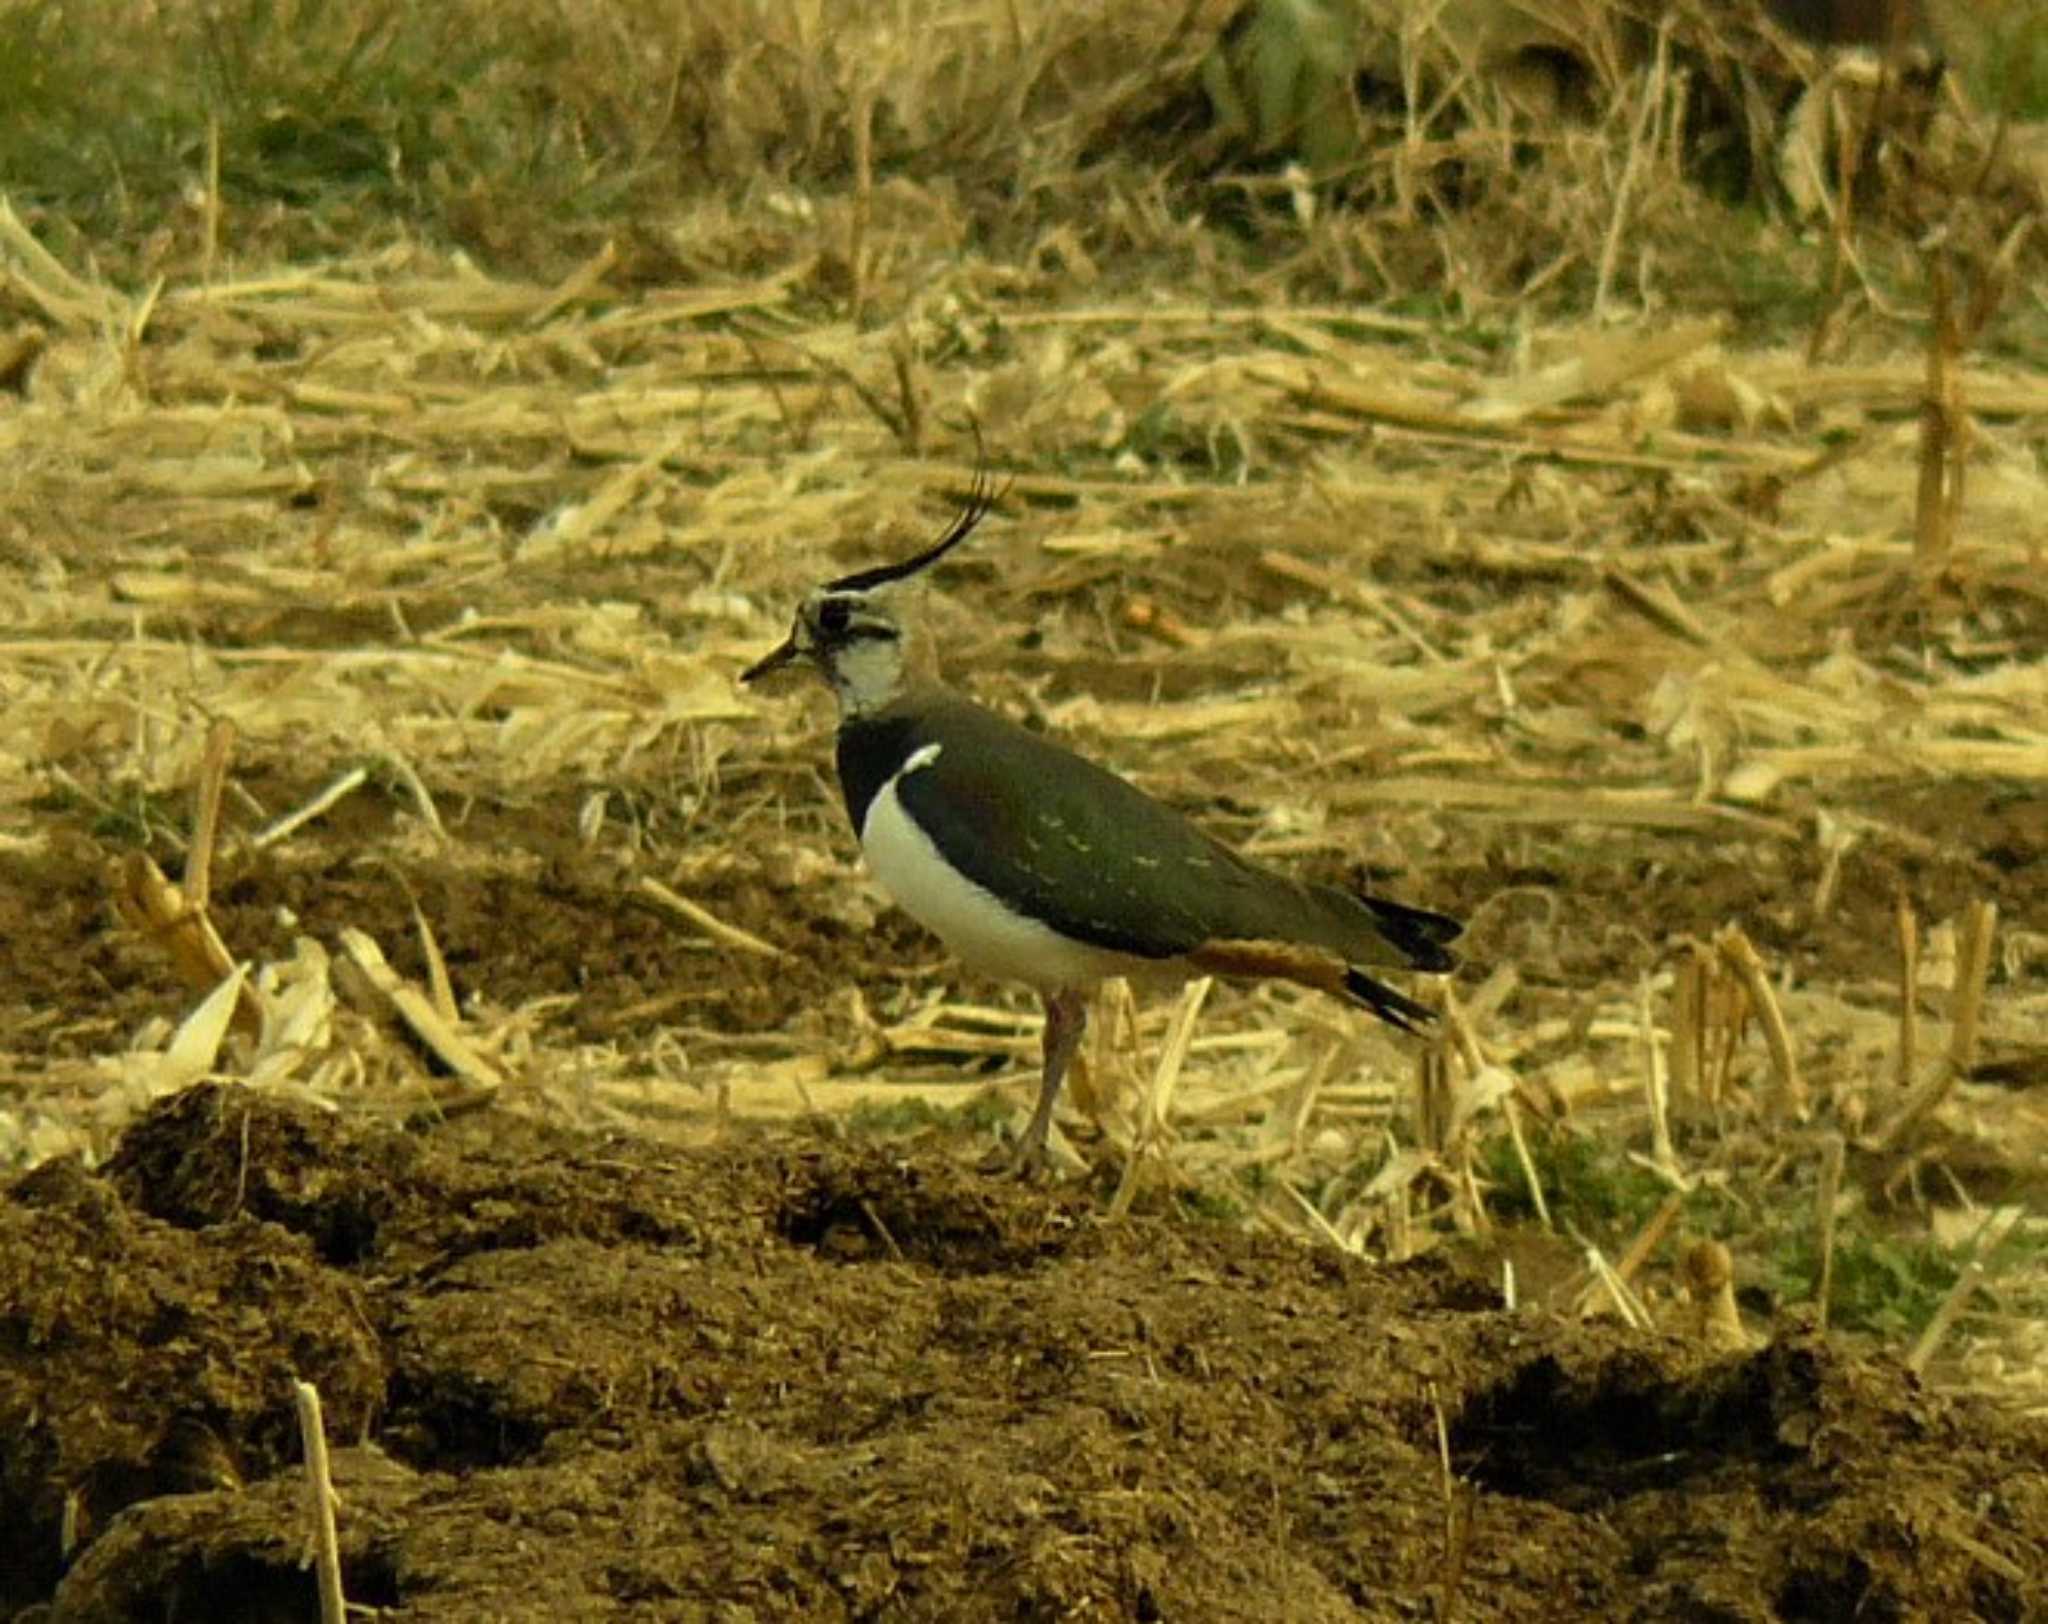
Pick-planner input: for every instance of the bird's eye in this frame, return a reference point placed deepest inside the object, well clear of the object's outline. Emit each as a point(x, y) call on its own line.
point(833, 616)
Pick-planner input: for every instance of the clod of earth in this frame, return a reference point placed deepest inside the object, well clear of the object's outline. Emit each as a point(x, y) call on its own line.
point(580, 1377)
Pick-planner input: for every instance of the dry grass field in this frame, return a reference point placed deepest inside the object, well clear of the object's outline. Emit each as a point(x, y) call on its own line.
point(430, 977)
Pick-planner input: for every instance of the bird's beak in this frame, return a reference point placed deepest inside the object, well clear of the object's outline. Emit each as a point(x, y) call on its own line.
point(786, 653)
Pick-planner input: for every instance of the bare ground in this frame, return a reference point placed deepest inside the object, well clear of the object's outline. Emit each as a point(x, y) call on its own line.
point(658, 1333)
point(590, 1377)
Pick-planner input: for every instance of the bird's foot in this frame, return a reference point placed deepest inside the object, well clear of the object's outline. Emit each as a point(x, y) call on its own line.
point(1017, 1160)
point(1034, 1159)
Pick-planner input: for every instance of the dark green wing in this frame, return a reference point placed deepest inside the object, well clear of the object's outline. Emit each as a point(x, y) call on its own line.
point(1104, 863)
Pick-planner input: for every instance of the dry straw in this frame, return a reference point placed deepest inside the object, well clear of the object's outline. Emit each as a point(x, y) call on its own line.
point(1359, 591)
point(323, 1542)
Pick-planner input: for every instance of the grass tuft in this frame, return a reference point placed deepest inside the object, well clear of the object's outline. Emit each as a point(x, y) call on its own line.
point(889, 1119)
point(509, 126)
point(1593, 1189)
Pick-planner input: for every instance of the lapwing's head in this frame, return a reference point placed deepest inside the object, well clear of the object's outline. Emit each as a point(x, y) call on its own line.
point(855, 633)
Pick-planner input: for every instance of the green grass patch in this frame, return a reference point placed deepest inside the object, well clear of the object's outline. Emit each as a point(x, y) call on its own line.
point(328, 115)
point(128, 815)
point(1212, 1204)
point(1590, 1185)
point(895, 1119)
point(2001, 52)
point(1887, 1285)
point(1887, 1282)
point(521, 129)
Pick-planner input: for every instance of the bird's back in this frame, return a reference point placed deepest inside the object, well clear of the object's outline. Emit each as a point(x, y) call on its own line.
point(1094, 857)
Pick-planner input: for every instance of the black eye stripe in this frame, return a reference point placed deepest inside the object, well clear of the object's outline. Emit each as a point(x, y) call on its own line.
point(842, 620)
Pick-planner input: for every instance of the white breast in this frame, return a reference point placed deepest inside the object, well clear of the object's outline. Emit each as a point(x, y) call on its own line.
point(986, 935)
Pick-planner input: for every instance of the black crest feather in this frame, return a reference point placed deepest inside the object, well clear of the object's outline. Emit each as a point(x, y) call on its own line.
point(982, 497)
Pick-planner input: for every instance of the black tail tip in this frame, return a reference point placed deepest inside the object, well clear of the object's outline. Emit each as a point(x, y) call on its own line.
point(1418, 933)
point(1396, 1009)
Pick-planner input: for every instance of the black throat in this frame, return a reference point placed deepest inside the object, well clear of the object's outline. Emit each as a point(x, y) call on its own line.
point(870, 749)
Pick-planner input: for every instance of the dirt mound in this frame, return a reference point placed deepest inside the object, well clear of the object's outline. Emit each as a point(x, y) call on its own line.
point(580, 1377)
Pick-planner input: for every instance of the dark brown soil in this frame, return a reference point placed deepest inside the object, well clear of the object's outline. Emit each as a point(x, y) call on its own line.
point(578, 1377)
point(522, 910)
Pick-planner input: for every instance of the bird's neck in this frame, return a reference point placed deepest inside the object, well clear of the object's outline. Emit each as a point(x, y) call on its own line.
point(871, 675)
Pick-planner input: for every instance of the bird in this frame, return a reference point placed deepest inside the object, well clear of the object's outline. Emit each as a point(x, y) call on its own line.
point(1034, 864)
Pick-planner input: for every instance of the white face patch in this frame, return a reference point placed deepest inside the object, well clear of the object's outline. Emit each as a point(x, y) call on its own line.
point(866, 673)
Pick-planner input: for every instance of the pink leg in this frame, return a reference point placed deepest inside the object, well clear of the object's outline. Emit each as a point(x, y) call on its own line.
point(1066, 1018)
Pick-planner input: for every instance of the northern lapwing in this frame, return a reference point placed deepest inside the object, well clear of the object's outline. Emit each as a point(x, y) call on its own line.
point(1035, 865)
